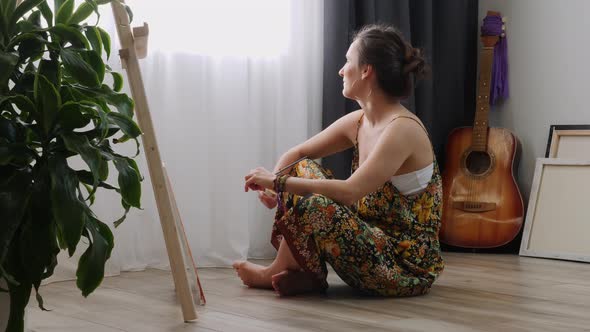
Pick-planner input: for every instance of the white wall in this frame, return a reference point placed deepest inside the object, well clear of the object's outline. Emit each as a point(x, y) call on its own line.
point(549, 72)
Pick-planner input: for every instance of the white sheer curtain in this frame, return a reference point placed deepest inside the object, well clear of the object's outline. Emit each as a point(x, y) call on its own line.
point(231, 84)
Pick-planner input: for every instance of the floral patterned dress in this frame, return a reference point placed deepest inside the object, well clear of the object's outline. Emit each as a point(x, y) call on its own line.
point(386, 244)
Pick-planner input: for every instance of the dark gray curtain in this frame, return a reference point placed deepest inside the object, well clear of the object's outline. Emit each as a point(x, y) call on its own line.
point(446, 30)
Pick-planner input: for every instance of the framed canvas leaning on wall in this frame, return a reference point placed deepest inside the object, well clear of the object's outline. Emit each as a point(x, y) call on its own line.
point(557, 223)
point(568, 141)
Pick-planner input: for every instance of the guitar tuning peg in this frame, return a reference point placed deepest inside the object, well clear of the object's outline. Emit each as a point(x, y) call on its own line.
point(503, 35)
point(504, 19)
point(503, 27)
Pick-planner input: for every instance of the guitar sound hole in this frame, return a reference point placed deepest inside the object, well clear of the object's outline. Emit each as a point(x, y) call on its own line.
point(477, 162)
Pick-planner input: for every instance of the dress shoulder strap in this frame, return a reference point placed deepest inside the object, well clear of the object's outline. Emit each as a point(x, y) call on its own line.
point(411, 118)
point(358, 126)
point(421, 126)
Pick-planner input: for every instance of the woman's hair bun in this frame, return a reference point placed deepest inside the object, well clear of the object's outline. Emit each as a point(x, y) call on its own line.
point(415, 63)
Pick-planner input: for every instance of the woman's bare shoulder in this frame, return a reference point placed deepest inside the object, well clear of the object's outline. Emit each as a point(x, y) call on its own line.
point(350, 122)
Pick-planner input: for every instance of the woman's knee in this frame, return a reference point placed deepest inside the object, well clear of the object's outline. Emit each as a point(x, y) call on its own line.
point(314, 202)
point(321, 212)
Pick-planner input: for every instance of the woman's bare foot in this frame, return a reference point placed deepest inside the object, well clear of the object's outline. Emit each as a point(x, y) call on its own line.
point(288, 283)
point(253, 275)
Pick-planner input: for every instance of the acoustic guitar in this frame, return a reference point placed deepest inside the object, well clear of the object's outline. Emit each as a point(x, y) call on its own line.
point(482, 205)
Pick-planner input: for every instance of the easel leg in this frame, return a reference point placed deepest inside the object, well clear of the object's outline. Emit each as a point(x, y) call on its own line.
point(157, 174)
point(189, 260)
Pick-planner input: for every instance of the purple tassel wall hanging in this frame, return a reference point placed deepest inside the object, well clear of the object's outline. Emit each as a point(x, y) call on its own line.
point(493, 25)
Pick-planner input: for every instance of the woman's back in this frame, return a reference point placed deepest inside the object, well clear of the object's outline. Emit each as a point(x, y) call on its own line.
point(411, 222)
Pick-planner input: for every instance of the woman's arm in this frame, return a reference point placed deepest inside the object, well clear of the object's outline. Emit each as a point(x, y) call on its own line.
point(337, 137)
point(338, 190)
point(391, 150)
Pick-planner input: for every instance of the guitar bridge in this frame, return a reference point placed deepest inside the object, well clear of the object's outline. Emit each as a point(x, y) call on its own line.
point(473, 206)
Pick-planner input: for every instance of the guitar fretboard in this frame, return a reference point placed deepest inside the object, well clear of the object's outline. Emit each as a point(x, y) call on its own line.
point(480, 125)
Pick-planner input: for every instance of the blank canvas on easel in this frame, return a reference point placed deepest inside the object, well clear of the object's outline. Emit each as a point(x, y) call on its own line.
point(557, 223)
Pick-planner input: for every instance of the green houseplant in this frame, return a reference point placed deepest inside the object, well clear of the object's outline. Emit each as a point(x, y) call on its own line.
point(54, 108)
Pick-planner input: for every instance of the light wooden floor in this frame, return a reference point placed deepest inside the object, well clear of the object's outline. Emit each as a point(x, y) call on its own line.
point(476, 292)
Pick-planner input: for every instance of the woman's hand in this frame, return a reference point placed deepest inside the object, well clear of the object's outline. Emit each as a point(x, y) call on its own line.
point(259, 179)
point(269, 199)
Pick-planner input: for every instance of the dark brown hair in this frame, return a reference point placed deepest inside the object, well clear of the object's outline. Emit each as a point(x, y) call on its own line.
point(396, 62)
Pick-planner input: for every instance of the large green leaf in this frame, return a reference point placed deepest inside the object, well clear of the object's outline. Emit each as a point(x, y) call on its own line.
point(121, 101)
point(65, 12)
point(94, 60)
point(106, 41)
point(17, 153)
point(95, 8)
point(71, 116)
point(103, 126)
point(22, 9)
point(23, 103)
point(103, 174)
point(126, 207)
point(86, 177)
point(51, 69)
point(93, 36)
point(6, 153)
point(129, 181)
point(48, 101)
point(117, 81)
point(47, 13)
point(133, 165)
point(90, 271)
point(68, 211)
point(90, 154)
point(7, 63)
point(7, 7)
point(3, 26)
point(25, 35)
point(24, 26)
point(8, 129)
point(127, 8)
point(25, 82)
point(66, 94)
point(79, 69)
point(82, 13)
point(57, 4)
point(14, 198)
point(26, 30)
point(34, 18)
point(128, 126)
point(30, 45)
point(70, 34)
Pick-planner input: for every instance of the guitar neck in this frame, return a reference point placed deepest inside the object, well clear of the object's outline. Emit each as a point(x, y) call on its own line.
point(480, 125)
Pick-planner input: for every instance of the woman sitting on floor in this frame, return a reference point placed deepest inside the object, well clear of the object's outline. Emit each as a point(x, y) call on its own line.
point(378, 229)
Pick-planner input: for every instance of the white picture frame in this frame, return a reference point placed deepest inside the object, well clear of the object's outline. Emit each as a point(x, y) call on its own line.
point(568, 141)
point(557, 224)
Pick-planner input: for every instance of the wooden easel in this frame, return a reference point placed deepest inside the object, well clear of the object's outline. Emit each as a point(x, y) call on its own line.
point(133, 48)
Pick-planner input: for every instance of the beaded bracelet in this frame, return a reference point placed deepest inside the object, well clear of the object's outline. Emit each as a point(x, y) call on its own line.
point(279, 186)
point(279, 182)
